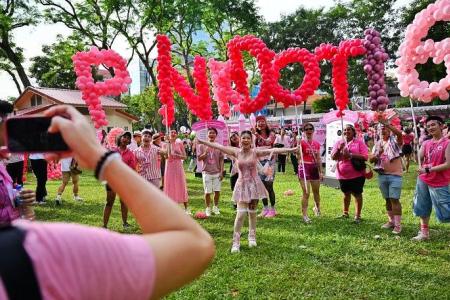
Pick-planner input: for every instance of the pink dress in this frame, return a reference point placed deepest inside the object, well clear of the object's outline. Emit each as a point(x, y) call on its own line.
point(175, 179)
point(78, 262)
point(248, 186)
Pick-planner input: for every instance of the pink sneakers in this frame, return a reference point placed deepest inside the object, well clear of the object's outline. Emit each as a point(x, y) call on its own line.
point(264, 212)
point(271, 213)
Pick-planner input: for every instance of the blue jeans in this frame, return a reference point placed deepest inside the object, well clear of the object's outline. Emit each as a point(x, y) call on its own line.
point(390, 186)
point(426, 197)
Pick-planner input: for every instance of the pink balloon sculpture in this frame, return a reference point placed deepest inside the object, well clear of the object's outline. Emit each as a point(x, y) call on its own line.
point(92, 91)
point(413, 51)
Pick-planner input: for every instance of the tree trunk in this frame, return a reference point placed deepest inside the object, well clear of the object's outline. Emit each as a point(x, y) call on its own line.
point(15, 60)
point(16, 82)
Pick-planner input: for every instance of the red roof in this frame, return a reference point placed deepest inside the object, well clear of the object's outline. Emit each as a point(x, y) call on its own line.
point(70, 97)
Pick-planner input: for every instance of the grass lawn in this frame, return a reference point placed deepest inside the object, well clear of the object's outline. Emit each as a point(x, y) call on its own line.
point(329, 258)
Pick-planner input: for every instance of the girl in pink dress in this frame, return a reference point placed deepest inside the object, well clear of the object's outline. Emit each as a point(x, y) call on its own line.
point(175, 185)
point(249, 188)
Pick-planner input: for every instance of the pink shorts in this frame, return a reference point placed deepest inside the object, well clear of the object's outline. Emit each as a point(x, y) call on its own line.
point(311, 171)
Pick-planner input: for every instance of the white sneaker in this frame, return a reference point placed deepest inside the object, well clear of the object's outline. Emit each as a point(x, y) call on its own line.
point(307, 220)
point(58, 200)
point(316, 211)
point(235, 248)
point(77, 198)
point(252, 239)
point(421, 237)
point(216, 210)
point(208, 212)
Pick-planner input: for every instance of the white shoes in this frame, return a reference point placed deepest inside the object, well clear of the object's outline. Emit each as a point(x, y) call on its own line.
point(208, 212)
point(235, 248)
point(421, 237)
point(252, 239)
point(216, 210)
point(77, 198)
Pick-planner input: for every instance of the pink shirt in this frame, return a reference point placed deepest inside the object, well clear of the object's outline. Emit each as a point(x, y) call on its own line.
point(408, 138)
point(148, 161)
point(8, 212)
point(78, 262)
point(344, 169)
point(128, 157)
point(310, 151)
point(212, 162)
point(434, 155)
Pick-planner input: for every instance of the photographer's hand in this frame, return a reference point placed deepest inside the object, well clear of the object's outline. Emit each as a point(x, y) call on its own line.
point(78, 135)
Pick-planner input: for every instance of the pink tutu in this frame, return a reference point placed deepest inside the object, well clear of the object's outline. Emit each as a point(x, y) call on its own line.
point(249, 189)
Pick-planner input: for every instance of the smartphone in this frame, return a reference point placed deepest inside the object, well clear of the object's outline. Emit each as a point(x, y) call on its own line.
point(30, 134)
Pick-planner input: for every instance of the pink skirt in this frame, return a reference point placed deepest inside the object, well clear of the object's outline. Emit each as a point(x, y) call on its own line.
point(175, 181)
point(249, 189)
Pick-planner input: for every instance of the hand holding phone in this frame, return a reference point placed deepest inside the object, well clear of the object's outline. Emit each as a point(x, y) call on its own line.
point(30, 134)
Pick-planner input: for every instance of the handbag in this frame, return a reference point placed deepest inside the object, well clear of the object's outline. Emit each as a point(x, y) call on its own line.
point(358, 164)
point(74, 168)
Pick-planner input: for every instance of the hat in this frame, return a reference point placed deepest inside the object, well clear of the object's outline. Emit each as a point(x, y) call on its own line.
point(146, 131)
point(126, 133)
point(137, 132)
point(156, 136)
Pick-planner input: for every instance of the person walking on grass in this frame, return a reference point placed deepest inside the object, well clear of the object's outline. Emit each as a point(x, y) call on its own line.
point(234, 174)
point(70, 170)
point(351, 173)
point(433, 182)
point(313, 172)
point(129, 159)
point(175, 184)
point(249, 186)
point(282, 140)
point(212, 172)
point(388, 162)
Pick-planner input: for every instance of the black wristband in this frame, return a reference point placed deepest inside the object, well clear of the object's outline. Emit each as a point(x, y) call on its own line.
point(100, 163)
point(427, 170)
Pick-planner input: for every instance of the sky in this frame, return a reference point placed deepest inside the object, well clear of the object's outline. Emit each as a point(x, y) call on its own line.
point(32, 39)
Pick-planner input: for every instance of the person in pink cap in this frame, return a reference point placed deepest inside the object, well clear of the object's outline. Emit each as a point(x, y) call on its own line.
point(249, 187)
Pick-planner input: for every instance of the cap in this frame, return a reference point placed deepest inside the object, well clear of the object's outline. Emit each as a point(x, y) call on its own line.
point(156, 136)
point(146, 131)
point(137, 132)
point(126, 133)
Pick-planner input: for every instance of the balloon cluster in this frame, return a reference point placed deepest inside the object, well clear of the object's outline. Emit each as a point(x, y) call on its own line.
point(339, 58)
point(222, 90)
point(92, 91)
point(376, 56)
point(264, 57)
point(111, 138)
point(164, 68)
point(413, 51)
point(54, 171)
point(311, 80)
point(168, 78)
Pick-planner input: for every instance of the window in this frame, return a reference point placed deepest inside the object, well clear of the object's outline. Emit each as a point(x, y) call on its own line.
point(36, 100)
point(83, 110)
point(125, 128)
point(109, 128)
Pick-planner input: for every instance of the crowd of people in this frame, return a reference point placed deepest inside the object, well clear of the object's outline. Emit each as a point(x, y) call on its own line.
point(145, 158)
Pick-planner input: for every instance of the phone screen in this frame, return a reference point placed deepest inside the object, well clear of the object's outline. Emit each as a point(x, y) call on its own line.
point(30, 134)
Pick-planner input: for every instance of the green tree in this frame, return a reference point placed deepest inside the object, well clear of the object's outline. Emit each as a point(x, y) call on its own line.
point(55, 67)
point(142, 105)
point(324, 104)
point(15, 14)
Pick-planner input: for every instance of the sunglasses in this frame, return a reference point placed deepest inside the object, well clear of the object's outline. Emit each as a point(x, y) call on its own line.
point(309, 129)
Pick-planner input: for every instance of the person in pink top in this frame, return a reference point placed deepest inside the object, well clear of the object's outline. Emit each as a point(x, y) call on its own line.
point(249, 187)
point(312, 171)
point(212, 173)
point(175, 185)
point(70, 261)
point(433, 183)
point(129, 159)
point(387, 158)
point(408, 146)
point(350, 179)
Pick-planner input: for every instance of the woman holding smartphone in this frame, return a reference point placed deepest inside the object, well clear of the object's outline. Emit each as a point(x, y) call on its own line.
point(64, 261)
